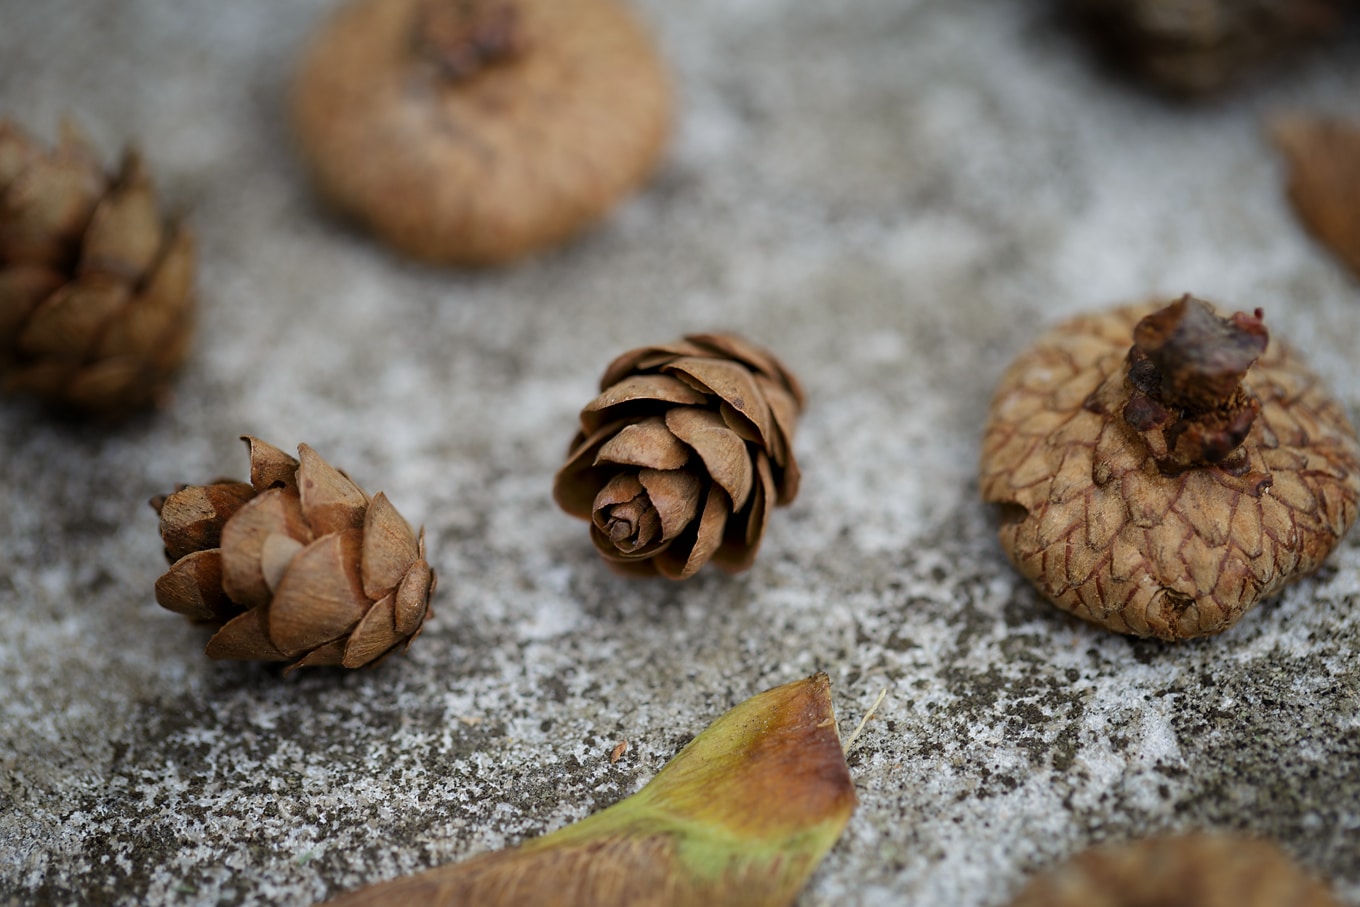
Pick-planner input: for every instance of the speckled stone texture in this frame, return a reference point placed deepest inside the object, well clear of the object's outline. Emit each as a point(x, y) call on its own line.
point(893, 196)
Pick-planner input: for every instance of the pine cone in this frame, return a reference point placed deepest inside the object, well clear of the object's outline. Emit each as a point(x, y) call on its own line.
point(298, 565)
point(683, 455)
point(1198, 47)
point(96, 288)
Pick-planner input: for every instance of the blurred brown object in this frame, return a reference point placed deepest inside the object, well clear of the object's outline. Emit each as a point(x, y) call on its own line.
point(1200, 47)
point(1324, 179)
point(1194, 870)
point(479, 131)
point(96, 287)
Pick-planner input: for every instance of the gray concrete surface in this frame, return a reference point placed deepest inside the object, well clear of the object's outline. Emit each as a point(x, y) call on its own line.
point(895, 195)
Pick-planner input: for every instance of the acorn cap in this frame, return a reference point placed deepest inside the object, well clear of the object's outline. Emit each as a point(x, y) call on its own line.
point(479, 131)
point(1133, 500)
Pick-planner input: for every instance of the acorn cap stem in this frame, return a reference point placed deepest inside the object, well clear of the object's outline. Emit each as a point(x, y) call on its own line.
point(1184, 390)
point(464, 37)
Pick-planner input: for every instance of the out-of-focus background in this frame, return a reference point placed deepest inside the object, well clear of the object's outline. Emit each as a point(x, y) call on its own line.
point(896, 196)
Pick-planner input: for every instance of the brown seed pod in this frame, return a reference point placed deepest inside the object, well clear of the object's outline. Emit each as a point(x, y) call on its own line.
point(1196, 870)
point(1163, 489)
point(682, 456)
point(1199, 47)
point(298, 565)
point(1324, 180)
point(478, 131)
point(96, 287)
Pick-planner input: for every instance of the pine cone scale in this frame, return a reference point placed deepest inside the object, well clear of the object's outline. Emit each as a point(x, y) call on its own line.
point(722, 450)
point(733, 384)
point(193, 587)
point(648, 444)
point(45, 209)
point(330, 501)
point(151, 324)
point(244, 638)
point(22, 288)
point(675, 495)
point(390, 548)
point(683, 558)
point(375, 634)
point(269, 466)
point(125, 235)
point(413, 597)
point(67, 324)
point(244, 538)
point(321, 597)
point(642, 390)
point(192, 518)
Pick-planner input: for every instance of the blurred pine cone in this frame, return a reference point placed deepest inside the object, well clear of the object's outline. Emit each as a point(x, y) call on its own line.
point(298, 565)
point(683, 454)
point(96, 288)
point(1198, 47)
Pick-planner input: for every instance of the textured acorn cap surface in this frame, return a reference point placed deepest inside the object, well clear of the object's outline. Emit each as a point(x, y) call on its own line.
point(484, 167)
point(1090, 519)
point(1197, 870)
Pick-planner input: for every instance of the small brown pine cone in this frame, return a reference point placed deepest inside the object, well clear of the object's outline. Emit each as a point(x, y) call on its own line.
point(96, 287)
point(479, 131)
point(1200, 47)
point(682, 456)
point(1324, 180)
point(1162, 489)
point(1195, 870)
point(299, 565)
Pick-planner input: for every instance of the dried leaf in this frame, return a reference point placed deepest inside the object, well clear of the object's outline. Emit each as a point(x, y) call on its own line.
point(740, 817)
